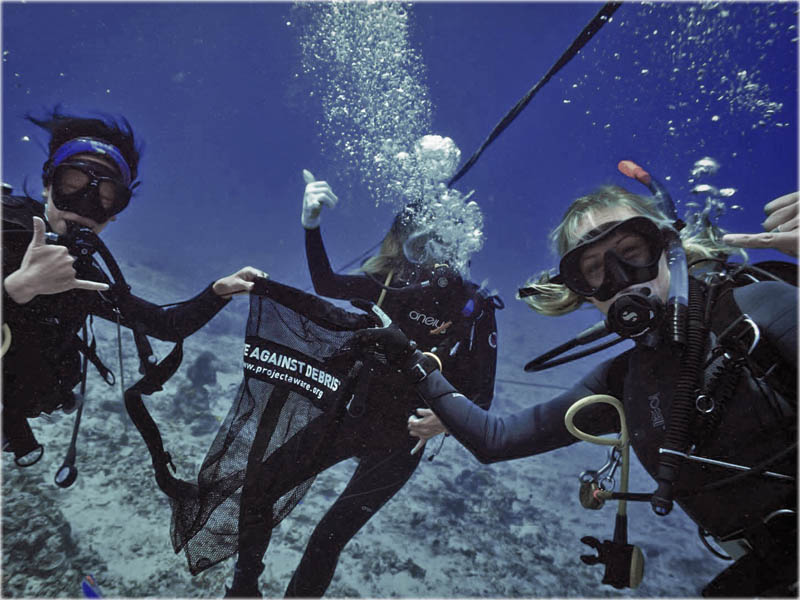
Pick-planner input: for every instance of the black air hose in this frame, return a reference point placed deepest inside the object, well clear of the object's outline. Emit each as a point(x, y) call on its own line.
point(722, 384)
point(677, 438)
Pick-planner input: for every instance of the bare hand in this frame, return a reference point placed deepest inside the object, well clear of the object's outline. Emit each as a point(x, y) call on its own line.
point(425, 427)
point(240, 282)
point(45, 269)
point(317, 194)
point(781, 227)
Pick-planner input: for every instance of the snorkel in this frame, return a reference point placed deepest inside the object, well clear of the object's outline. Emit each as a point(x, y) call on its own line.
point(676, 442)
point(678, 298)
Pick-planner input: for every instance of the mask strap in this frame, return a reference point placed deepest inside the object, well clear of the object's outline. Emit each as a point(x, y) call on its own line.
point(93, 146)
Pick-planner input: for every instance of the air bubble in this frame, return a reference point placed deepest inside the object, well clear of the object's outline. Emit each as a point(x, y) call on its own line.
point(377, 112)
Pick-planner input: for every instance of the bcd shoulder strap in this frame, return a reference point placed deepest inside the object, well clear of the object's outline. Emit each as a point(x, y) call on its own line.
point(735, 334)
point(152, 382)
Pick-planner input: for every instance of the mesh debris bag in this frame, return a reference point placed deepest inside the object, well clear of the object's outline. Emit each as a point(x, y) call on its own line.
point(298, 368)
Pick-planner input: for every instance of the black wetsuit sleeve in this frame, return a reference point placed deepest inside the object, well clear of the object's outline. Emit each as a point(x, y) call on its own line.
point(330, 284)
point(773, 306)
point(170, 324)
point(534, 430)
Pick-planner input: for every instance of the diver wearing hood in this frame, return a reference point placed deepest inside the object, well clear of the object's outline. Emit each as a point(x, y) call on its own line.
point(52, 281)
point(446, 315)
point(743, 394)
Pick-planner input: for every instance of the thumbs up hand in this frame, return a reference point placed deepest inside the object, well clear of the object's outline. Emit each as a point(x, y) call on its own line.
point(45, 269)
point(317, 194)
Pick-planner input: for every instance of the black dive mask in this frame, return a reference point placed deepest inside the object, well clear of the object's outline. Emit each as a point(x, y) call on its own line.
point(624, 254)
point(89, 189)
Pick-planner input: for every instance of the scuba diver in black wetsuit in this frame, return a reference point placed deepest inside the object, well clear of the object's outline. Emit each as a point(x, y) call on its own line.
point(52, 282)
point(449, 317)
point(710, 405)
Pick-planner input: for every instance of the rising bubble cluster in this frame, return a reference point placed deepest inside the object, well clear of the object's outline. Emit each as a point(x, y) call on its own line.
point(375, 105)
point(695, 63)
point(376, 118)
point(449, 219)
point(704, 212)
point(704, 166)
point(703, 43)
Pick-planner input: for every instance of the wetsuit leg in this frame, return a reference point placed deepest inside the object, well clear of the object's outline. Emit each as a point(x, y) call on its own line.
point(310, 451)
point(379, 476)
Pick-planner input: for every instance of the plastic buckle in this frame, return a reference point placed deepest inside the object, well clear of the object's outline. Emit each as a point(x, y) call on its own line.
point(418, 372)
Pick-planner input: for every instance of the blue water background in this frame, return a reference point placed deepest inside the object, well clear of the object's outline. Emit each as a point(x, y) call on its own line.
point(217, 94)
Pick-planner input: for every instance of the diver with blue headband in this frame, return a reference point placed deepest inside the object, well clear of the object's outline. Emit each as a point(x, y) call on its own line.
point(93, 146)
point(706, 397)
point(90, 178)
point(57, 272)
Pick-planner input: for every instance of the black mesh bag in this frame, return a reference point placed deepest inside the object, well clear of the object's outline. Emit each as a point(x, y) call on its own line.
point(298, 368)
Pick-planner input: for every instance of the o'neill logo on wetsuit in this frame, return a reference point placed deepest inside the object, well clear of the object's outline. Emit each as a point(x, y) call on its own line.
point(425, 319)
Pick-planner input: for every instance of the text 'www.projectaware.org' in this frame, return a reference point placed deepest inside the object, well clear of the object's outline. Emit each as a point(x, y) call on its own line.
point(284, 378)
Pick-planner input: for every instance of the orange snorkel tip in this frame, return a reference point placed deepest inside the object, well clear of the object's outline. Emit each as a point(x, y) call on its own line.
point(634, 171)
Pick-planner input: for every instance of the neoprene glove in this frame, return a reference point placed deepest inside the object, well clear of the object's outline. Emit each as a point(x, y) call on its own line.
point(390, 341)
point(317, 194)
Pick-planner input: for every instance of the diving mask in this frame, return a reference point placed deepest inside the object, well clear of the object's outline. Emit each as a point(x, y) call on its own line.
point(89, 189)
point(424, 247)
point(616, 256)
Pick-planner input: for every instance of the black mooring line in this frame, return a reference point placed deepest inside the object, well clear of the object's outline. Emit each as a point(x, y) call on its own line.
point(600, 19)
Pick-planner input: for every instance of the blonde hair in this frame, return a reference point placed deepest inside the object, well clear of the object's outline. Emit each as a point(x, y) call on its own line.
point(389, 257)
point(553, 299)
